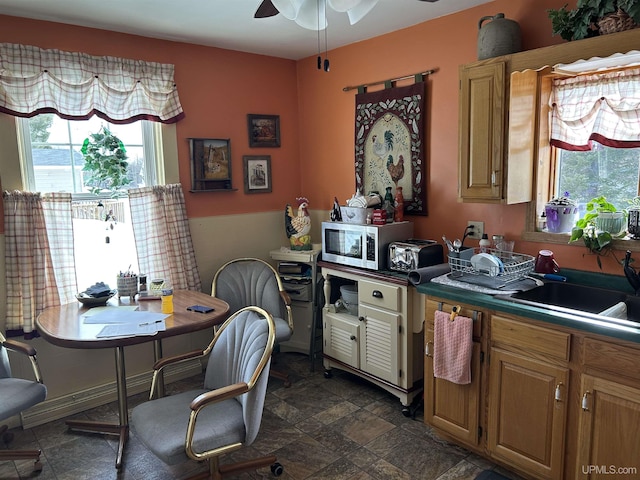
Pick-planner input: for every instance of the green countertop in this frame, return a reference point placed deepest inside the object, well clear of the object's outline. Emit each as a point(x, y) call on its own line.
point(482, 300)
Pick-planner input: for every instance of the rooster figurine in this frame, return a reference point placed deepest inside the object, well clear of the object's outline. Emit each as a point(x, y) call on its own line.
point(298, 226)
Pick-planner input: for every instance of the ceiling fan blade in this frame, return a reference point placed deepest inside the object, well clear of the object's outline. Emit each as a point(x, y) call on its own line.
point(266, 9)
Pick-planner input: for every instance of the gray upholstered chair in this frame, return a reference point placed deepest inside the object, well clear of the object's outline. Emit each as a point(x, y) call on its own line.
point(252, 281)
point(223, 415)
point(17, 394)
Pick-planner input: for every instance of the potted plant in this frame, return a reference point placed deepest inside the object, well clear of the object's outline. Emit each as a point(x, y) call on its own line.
point(593, 17)
point(561, 213)
point(601, 222)
point(105, 159)
point(633, 218)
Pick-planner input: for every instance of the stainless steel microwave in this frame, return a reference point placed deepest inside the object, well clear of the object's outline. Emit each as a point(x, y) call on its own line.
point(364, 246)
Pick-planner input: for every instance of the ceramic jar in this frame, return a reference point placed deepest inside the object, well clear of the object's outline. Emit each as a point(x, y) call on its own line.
point(500, 36)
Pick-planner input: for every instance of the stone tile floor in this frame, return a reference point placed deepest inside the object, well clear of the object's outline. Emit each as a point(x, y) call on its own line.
point(337, 428)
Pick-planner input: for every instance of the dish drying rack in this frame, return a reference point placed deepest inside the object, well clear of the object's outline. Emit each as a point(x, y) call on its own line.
point(515, 266)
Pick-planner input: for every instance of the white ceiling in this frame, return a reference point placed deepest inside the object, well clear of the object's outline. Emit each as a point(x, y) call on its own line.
point(230, 24)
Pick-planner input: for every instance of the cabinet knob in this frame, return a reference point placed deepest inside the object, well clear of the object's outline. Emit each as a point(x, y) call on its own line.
point(377, 294)
point(352, 337)
point(362, 319)
point(585, 401)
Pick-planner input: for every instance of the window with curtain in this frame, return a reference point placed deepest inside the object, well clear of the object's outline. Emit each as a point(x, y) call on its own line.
point(46, 86)
point(595, 132)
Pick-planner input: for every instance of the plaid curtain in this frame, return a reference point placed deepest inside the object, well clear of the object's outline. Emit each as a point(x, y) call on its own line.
point(76, 86)
point(603, 107)
point(162, 235)
point(39, 259)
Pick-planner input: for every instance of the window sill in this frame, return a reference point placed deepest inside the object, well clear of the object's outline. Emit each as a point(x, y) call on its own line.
point(623, 244)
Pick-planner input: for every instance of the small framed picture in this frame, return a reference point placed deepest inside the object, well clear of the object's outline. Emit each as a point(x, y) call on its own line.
point(257, 173)
point(210, 163)
point(264, 130)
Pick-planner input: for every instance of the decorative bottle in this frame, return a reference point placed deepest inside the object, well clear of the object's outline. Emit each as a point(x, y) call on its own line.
point(388, 205)
point(399, 204)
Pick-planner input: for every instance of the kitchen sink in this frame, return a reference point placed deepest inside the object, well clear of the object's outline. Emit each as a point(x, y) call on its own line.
point(576, 299)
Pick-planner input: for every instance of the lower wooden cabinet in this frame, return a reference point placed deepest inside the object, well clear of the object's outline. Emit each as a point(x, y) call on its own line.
point(548, 402)
point(527, 413)
point(453, 408)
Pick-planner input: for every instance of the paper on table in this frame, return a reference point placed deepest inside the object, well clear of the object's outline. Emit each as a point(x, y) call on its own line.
point(115, 315)
point(98, 311)
point(131, 329)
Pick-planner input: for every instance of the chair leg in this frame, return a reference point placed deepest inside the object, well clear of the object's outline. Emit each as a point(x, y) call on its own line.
point(281, 376)
point(7, 437)
point(218, 472)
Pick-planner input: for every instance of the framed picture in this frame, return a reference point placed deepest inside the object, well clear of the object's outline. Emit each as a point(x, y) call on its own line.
point(257, 173)
point(210, 163)
point(264, 130)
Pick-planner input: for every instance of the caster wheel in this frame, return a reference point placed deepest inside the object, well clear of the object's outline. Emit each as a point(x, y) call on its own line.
point(328, 374)
point(277, 469)
point(37, 466)
point(406, 411)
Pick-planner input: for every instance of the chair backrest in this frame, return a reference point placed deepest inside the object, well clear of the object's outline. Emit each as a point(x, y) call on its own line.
point(5, 368)
point(242, 353)
point(251, 281)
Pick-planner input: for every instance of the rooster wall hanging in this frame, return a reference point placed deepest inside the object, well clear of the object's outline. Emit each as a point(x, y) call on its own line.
point(298, 226)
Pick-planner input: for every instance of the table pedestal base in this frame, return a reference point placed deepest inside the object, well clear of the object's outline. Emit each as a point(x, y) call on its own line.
point(101, 427)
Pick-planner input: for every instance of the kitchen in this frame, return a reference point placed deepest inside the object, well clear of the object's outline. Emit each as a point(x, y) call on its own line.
point(316, 156)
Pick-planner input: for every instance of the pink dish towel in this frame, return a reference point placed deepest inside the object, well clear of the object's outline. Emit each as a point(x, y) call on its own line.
point(452, 348)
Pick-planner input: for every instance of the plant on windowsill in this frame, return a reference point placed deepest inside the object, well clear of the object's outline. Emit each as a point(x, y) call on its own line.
point(593, 17)
point(106, 162)
point(601, 223)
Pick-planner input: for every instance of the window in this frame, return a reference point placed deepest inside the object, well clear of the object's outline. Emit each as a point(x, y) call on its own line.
point(51, 161)
point(611, 172)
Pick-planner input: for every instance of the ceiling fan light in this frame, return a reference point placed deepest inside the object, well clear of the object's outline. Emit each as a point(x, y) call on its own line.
point(343, 5)
point(358, 12)
point(288, 8)
point(312, 15)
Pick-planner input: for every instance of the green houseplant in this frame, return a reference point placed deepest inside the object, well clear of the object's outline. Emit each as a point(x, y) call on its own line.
point(582, 22)
point(105, 159)
point(601, 223)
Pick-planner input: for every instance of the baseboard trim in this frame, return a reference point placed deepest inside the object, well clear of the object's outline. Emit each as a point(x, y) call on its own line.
point(77, 402)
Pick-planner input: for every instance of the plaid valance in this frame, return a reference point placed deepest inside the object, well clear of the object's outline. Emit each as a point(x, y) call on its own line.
point(603, 107)
point(77, 86)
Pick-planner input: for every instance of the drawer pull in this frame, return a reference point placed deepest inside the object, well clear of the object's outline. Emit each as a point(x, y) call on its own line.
point(427, 350)
point(558, 394)
point(377, 294)
point(585, 402)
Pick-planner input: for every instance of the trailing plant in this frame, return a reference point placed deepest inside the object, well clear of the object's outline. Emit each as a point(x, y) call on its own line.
point(106, 162)
point(598, 242)
point(581, 22)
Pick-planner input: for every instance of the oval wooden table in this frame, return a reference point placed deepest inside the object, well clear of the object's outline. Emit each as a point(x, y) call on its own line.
point(64, 326)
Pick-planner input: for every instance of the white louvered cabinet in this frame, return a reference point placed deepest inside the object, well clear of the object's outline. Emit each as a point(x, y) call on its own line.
point(380, 343)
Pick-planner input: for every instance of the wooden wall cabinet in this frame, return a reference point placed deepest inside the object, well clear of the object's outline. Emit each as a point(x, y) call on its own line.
point(482, 105)
point(380, 343)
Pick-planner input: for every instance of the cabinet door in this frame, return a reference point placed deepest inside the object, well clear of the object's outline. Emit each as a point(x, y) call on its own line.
point(380, 343)
point(341, 338)
point(527, 411)
point(481, 136)
point(453, 408)
point(608, 435)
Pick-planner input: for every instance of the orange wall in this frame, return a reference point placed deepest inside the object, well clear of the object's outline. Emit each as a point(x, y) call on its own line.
point(218, 88)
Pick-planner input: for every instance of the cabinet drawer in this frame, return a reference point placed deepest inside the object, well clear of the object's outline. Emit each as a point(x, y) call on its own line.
point(611, 357)
point(530, 338)
point(379, 295)
point(298, 291)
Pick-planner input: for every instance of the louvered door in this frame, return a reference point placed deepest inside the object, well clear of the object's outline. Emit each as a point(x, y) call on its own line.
point(379, 345)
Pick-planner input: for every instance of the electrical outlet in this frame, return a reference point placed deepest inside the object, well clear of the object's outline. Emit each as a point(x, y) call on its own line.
point(478, 229)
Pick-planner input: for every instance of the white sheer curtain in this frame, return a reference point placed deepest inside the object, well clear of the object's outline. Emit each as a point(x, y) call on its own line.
point(39, 258)
point(162, 235)
point(76, 86)
point(604, 107)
